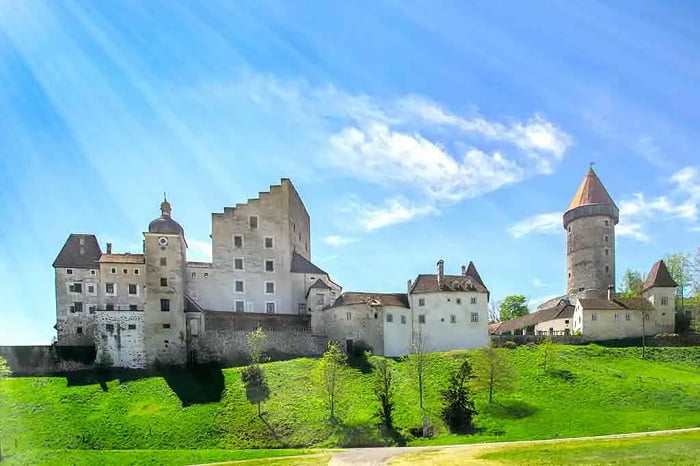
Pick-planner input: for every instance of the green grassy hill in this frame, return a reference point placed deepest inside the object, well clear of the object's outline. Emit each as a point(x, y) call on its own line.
point(605, 391)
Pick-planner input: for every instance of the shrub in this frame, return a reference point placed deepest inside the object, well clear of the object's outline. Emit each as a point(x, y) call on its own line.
point(510, 344)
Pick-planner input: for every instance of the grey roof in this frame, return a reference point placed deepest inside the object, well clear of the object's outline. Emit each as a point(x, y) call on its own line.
point(600, 304)
point(302, 265)
point(165, 224)
point(320, 284)
point(77, 255)
point(564, 310)
point(373, 299)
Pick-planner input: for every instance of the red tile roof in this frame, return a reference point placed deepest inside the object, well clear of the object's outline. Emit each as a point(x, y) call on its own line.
point(659, 276)
point(591, 191)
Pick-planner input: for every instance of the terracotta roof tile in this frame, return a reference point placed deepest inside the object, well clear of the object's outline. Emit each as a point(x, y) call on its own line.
point(564, 310)
point(591, 191)
point(377, 299)
point(123, 258)
point(659, 276)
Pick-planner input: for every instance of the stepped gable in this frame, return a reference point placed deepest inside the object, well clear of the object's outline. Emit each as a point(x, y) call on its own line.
point(80, 251)
point(591, 191)
point(373, 299)
point(659, 276)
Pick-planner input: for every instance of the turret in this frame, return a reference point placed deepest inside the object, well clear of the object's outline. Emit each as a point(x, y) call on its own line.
point(590, 222)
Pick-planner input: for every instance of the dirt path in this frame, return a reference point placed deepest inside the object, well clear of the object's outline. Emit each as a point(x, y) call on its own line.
point(382, 456)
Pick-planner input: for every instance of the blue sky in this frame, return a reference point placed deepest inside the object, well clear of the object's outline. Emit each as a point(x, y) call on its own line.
point(413, 130)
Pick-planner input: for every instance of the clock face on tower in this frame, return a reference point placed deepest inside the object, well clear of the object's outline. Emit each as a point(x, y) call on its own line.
point(163, 241)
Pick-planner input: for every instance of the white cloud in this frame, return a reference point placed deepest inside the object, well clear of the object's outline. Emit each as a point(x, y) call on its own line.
point(199, 250)
point(337, 240)
point(394, 211)
point(550, 222)
point(631, 230)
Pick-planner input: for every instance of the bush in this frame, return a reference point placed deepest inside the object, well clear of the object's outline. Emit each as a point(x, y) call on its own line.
point(510, 344)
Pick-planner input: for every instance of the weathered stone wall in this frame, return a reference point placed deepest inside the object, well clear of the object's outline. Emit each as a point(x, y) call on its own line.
point(229, 347)
point(46, 360)
point(590, 255)
point(119, 339)
point(250, 321)
point(356, 322)
point(76, 328)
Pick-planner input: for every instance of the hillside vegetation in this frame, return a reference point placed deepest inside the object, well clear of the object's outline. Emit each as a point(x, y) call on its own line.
point(593, 391)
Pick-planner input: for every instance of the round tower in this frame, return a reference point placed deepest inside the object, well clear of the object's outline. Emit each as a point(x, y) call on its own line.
point(590, 223)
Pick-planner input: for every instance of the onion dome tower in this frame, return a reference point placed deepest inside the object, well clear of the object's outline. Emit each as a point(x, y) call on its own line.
point(165, 223)
point(590, 223)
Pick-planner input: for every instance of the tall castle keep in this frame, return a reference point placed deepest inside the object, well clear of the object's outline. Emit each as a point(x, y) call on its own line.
point(590, 222)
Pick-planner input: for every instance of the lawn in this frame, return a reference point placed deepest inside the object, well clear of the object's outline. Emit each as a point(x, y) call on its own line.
point(595, 391)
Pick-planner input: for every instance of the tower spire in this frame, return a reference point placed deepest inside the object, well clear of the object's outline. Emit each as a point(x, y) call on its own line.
point(165, 207)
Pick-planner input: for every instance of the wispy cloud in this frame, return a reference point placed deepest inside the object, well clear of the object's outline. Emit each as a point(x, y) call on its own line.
point(550, 222)
point(199, 250)
point(337, 240)
point(393, 211)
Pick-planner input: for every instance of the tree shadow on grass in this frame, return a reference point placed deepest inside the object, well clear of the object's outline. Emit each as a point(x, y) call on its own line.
point(510, 409)
point(102, 375)
point(563, 374)
point(202, 384)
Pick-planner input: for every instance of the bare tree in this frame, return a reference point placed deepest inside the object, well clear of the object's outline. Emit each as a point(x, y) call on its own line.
point(492, 370)
point(419, 360)
point(329, 375)
point(383, 390)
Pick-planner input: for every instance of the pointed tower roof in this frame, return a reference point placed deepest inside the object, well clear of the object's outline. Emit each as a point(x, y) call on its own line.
point(472, 272)
point(591, 191)
point(659, 276)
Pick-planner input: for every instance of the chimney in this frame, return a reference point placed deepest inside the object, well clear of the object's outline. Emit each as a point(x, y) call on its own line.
point(408, 286)
point(109, 248)
point(440, 273)
point(611, 292)
point(464, 270)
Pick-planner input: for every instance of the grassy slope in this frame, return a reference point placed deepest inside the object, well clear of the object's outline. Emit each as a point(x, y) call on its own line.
point(604, 396)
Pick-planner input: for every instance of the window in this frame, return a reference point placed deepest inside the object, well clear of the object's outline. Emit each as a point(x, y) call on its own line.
point(133, 307)
point(421, 318)
point(421, 302)
point(594, 316)
point(92, 309)
point(269, 242)
point(163, 261)
point(132, 326)
point(91, 289)
point(206, 274)
point(109, 327)
point(617, 316)
point(627, 317)
point(113, 270)
point(607, 251)
point(136, 271)
point(607, 223)
point(79, 330)
point(301, 308)
point(566, 321)
point(239, 286)
point(348, 316)
point(269, 265)
point(69, 271)
point(472, 300)
point(458, 300)
point(269, 287)
point(110, 288)
point(646, 316)
point(165, 305)
point(125, 271)
point(133, 289)
point(253, 222)
point(75, 288)
point(453, 319)
point(474, 317)
point(77, 307)
point(166, 325)
point(92, 272)
point(320, 299)
point(569, 230)
point(607, 269)
point(606, 238)
point(403, 320)
point(239, 306)
point(163, 281)
point(109, 307)
point(389, 317)
point(664, 300)
point(270, 307)
point(237, 241)
point(238, 263)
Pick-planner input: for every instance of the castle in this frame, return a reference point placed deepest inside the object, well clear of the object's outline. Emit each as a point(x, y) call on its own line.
point(156, 307)
point(590, 306)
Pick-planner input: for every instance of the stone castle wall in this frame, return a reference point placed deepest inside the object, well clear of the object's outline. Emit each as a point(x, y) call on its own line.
point(47, 360)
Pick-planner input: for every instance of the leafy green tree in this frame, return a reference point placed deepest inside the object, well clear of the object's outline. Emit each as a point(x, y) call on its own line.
point(383, 390)
point(632, 284)
point(513, 306)
point(458, 411)
point(256, 343)
point(492, 370)
point(547, 353)
point(681, 269)
point(329, 375)
point(4, 368)
point(256, 388)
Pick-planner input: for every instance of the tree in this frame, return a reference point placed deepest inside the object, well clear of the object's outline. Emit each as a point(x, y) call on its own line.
point(256, 343)
point(418, 359)
point(256, 389)
point(492, 370)
point(513, 306)
point(494, 310)
point(329, 375)
point(458, 411)
point(681, 269)
point(4, 368)
point(547, 353)
point(383, 390)
point(632, 284)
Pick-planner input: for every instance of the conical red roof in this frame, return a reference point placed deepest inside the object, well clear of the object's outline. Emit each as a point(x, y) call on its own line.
point(659, 276)
point(591, 191)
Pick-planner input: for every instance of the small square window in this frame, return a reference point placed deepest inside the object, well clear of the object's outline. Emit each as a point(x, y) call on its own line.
point(206, 274)
point(133, 307)
point(269, 265)
point(269, 287)
point(458, 300)
point(269, 242)
point(163, 281)
point(253, 222)
point(453, 319)
point(92, 309)
point(594, 317)
point(421, 302)
point(163, 261)
point(238, 241)
point(136, 271)
point(92, 272)
point(389, 317)
point(113, 270)
point(109, 327)
point(664, 300)
point(239, 286)
point(132, 326)
point(421, 318)
point(472, 300)
point(78, 307)
point(165, 305)
point(132, 289)
point(403, 319)
point(125, 271)
point(109, 307)
point(69, 271)
point(270, 307)
point(166, 325)
point(606, 238)
point(91, 289)
point(194, 274)
point(79, 330)
point(109, 288)
point(76, 288)
point(607, 223)
point(474, 317)
point(617, 316)
point(238, 263)
point(239, 306)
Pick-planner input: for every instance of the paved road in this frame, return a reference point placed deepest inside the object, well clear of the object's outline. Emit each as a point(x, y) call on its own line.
point(382, 456)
